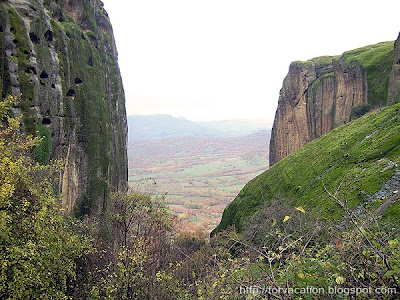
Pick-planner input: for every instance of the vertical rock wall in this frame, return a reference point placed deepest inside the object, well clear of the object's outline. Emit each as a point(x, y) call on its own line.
point(60, 58)
point(325, 92)
point(394, 84)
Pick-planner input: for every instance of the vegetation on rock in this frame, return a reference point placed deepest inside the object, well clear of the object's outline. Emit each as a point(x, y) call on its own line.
point(325, 92)
point(364, 153)
point(326, 216)
point(59, 57)
point(38, 244)
point(134, 252)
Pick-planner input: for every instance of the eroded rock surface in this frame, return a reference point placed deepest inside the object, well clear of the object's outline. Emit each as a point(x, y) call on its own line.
point(60, 58)
point(325, 92)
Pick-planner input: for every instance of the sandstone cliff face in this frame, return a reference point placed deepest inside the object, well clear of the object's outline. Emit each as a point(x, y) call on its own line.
point(394, 84)
point(323, 93)
point(60, 58)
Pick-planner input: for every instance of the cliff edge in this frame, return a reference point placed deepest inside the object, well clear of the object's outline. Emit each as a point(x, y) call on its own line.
point(323, 93)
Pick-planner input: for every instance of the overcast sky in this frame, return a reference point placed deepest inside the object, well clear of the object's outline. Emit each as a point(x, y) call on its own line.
point(225, 59)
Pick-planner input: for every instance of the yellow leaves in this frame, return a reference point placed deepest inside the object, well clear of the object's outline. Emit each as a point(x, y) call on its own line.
point(6, 105)
point(301, 275)
point(366, 253)
point(14, 122)
point(287, 218)
point(30, 219)
point(393, 243)
point(340, 280)
point(6, 190)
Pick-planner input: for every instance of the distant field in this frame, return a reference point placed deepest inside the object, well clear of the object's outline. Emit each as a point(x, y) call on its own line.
point(200, 176)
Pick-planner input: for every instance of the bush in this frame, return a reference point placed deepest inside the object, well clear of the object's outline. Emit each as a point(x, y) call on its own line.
point(359, 110)
point(39, 246)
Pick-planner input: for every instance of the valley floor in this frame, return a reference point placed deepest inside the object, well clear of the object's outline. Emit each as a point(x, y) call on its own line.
point(199, 176)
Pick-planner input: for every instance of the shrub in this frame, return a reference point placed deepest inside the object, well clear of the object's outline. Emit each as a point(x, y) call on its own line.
point(359, 110)
point(39, 246)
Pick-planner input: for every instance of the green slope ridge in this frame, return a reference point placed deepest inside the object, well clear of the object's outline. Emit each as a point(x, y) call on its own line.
point(356, 159)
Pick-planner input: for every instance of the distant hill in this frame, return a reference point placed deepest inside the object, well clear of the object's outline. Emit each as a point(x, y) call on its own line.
point(144, 127)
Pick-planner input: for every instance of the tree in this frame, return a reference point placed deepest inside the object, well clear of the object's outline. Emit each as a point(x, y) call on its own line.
point(141, 226)
point(38, 244)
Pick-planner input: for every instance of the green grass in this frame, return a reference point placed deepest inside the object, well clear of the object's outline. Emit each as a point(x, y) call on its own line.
point(321, 60)
point(324, 60)
point(42, 150)
point(350, 158)
point(377, 61)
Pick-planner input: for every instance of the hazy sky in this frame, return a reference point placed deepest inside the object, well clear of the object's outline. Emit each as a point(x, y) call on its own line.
point(224, 59)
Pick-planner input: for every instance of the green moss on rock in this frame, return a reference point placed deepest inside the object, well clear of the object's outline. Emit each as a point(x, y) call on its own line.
point(377, 61)
point(42, 150)
point(68, 73)
point(352, 158)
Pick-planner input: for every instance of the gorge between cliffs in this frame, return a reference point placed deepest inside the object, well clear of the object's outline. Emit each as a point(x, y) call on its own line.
point(307, 209)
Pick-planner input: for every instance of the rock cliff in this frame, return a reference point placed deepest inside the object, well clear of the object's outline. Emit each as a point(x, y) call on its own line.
point(326, 92)
point(60, 58)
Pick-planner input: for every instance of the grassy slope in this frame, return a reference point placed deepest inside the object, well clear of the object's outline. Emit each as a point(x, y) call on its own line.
point(354, 156)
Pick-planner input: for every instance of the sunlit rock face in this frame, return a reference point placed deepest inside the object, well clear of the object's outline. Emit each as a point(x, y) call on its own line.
point(60, 58)
point(325, 92)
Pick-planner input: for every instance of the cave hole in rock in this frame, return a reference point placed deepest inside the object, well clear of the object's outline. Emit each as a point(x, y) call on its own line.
point(34, 38)
point(48, 35)
point(12, 29)
point(78, 81)
point(26, 52)
point(15, 41)
point(58, 16)
point(53, 86)
point(398, 62)
point(31, 70)
point(71, 93)
point(93, 41)
point(1, 29)
point(44, 75)
point(46, 121)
